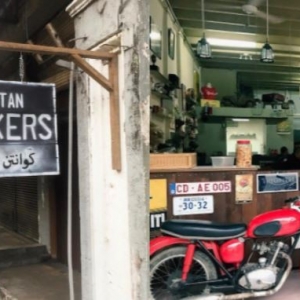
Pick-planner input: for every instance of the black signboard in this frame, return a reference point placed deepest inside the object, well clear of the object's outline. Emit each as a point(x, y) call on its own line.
point(28, 129)
point(156, 219)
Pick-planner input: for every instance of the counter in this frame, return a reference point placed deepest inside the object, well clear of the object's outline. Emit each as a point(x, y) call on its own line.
point(226, 209)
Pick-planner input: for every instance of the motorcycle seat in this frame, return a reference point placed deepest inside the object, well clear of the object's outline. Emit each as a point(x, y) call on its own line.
point(202, 230)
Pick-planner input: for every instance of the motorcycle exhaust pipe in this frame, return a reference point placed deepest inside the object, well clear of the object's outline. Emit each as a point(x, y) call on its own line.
point(206, 297)
point(250, 294)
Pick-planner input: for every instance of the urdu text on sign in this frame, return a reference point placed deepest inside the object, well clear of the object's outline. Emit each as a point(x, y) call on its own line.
point(200, 187)
point(28, 129)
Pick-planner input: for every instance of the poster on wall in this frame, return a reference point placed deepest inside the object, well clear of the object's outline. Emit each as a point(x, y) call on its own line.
point(158, 194)
point(277, 182)
point(284, 127)
point(28, 129)
point(243, 188)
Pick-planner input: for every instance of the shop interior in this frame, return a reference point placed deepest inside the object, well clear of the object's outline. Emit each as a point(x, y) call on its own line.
point(203, 105)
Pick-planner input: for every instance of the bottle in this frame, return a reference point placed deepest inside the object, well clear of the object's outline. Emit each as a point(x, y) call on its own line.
point(243, 154)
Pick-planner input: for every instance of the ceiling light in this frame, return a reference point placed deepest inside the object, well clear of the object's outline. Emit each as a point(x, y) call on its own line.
point(267, 54)
point(232, 43)
point(240, 120)
point(203, 47)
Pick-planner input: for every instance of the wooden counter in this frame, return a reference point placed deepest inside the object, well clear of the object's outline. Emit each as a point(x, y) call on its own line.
point(206, 169)
point(225, 207)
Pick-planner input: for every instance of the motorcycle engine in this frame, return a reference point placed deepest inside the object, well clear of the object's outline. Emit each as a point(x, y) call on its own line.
point(262, 275)
point(258, 278)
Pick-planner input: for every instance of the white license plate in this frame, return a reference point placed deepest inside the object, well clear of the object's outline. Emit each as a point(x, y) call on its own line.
point(193, 205)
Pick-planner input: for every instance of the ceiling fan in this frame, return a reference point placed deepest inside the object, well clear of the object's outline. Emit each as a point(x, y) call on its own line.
point(251, 8)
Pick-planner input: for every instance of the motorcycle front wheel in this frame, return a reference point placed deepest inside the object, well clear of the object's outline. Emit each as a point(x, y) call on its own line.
point(166, 270)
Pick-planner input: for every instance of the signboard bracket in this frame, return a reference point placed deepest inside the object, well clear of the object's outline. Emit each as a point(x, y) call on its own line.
point(111, 84)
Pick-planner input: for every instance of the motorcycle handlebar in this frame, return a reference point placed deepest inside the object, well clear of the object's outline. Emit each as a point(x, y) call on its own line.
point(291, 200)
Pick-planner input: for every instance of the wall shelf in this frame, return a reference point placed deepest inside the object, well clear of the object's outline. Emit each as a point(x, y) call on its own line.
point(162, 115)
point(159, 77)
point(236, 112)
point(161, 95)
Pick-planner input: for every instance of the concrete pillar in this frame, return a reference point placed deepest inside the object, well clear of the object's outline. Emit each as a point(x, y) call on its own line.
point(114, 205)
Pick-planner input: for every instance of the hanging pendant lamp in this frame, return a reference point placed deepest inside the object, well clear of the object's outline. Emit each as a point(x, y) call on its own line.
point(203, 47)
point(267, 54)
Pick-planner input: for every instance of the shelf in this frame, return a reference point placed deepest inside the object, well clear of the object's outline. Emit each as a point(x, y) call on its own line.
point(162, 115)
point(160, 77)
point(236, 112)
point(160, 95)
point(243, 136)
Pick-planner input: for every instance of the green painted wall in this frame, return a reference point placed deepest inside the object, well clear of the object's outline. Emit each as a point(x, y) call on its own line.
point(223, 80)
point(275, 140)
point(212, 137)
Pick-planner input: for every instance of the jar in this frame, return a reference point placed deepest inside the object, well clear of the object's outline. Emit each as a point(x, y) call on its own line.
point(243, 154)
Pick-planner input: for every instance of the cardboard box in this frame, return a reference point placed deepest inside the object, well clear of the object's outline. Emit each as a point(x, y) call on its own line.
point(211, 103)
point(173, 161)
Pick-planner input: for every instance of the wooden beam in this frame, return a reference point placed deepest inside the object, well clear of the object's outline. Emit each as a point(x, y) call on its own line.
point(115, 116)
point(91, 71)
point(61, 51)
point(38, 57)
point(54, 35)
point(111, 84)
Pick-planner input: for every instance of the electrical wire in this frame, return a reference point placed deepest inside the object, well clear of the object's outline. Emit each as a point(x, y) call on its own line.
point(267, 20)
point(202, 11)
point(21, 67)
point(70, 161)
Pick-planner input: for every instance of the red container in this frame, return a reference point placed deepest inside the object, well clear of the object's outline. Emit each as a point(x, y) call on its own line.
point(232, 252)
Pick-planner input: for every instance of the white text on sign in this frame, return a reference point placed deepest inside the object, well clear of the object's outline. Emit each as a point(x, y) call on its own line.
point(201, 187)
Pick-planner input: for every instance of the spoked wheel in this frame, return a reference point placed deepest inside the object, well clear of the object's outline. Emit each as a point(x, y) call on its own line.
point(165, 274)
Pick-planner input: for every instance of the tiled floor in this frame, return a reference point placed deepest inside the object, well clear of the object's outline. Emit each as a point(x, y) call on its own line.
point(48, 281)
point(9, 239)
point(290, 291)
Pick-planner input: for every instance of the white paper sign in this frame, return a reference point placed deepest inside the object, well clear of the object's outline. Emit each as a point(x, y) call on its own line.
point(193, 205)
point(212, 187)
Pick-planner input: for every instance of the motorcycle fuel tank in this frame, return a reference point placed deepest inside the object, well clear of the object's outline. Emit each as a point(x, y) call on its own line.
point(281, 222)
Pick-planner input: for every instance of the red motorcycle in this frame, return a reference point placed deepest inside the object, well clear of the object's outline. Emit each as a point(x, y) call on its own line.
point(206, 261)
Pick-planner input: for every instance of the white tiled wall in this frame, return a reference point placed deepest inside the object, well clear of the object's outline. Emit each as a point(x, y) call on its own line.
point(255, 127)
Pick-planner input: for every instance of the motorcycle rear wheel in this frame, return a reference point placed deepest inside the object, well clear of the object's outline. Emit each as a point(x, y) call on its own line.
point(166, 269)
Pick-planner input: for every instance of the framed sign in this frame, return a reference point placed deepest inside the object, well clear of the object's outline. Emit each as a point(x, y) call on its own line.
point(243, 188)
point(277, 182)
point(28, 129)
point(171, 43)
point(155, 39)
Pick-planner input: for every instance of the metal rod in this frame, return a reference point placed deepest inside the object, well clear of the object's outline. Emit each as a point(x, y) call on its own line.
point(203, 15)
point(215, 260)
point(70, 181)
point(62, 51)
point(267, 20)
